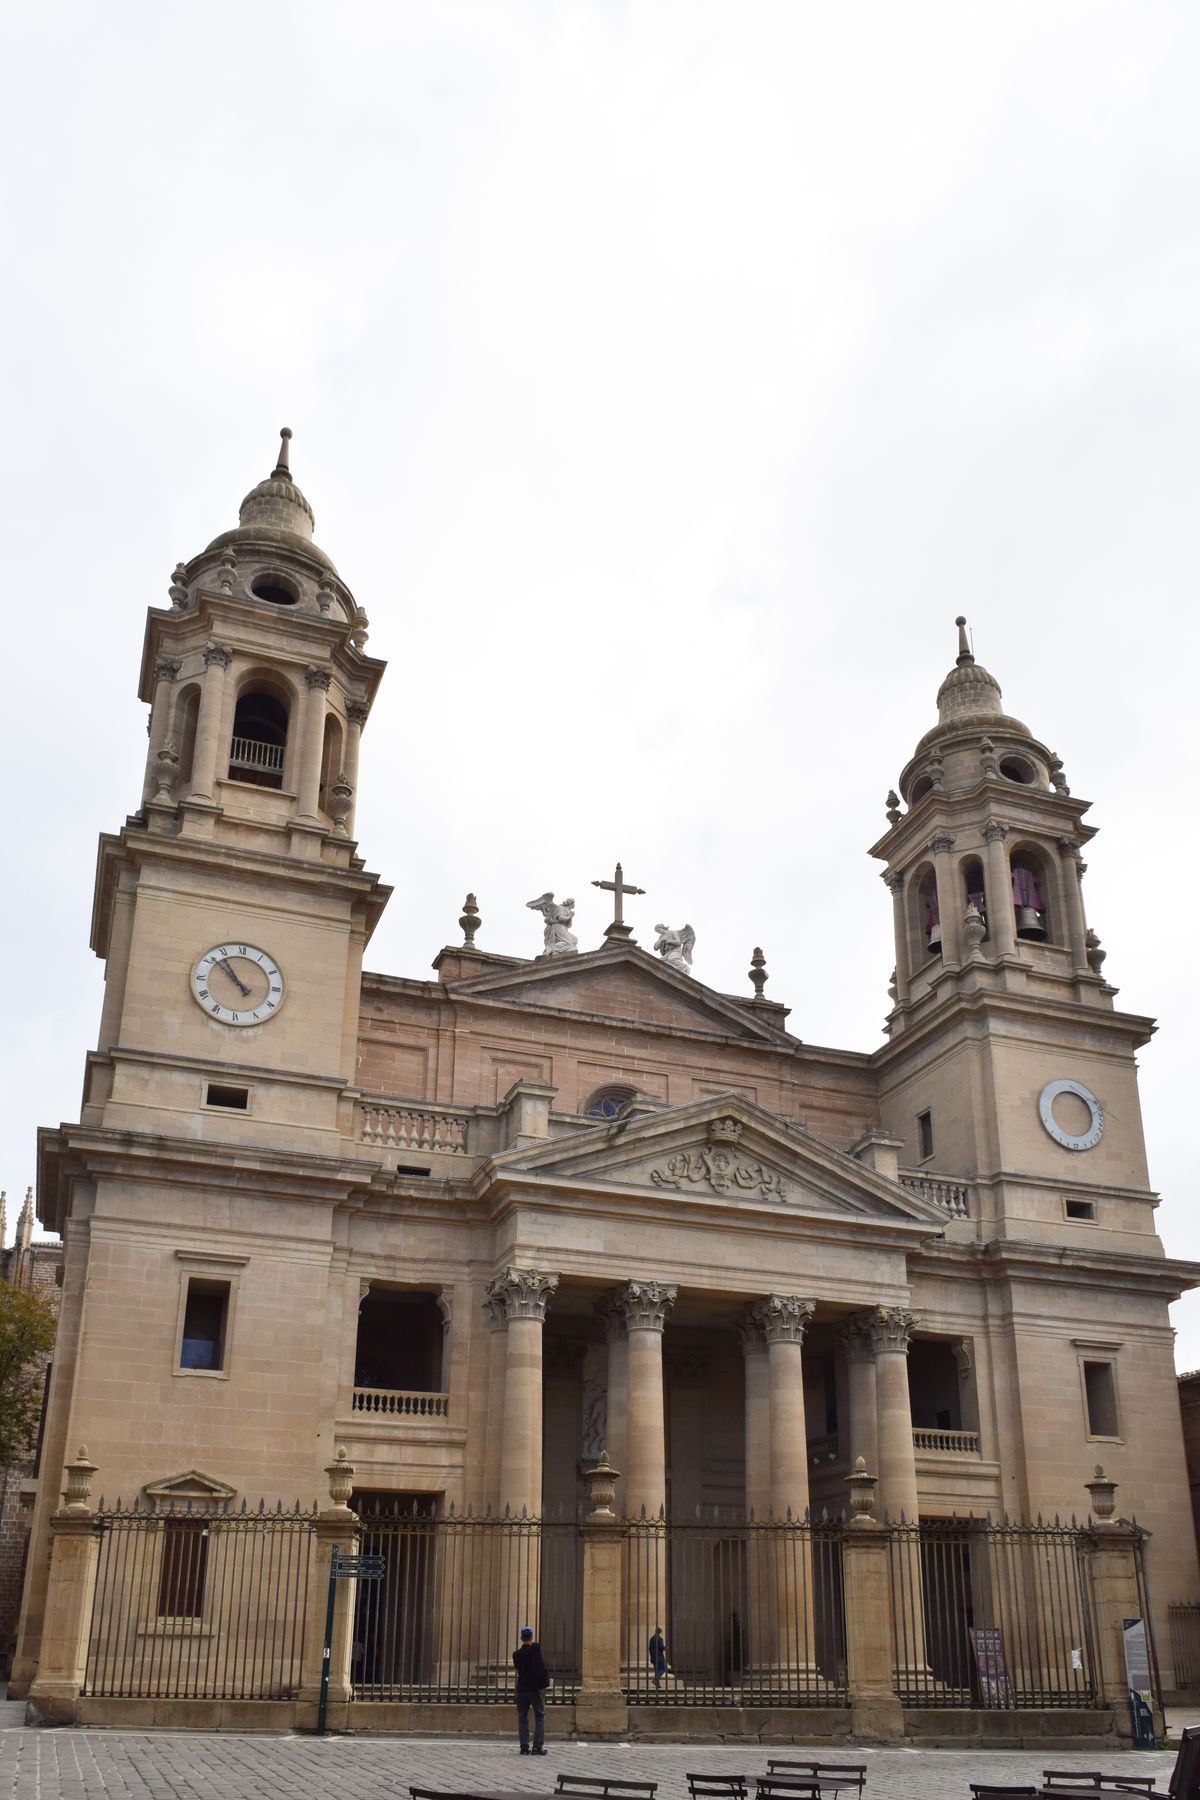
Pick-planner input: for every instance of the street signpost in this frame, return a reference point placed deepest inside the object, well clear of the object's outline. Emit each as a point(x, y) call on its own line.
point(342, 1568)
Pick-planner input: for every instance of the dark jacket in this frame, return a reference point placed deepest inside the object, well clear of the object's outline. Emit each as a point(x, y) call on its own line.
point(532, 1673)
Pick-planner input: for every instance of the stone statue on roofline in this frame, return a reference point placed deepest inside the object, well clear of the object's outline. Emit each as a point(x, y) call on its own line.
point(675, 947)
point(559, 916)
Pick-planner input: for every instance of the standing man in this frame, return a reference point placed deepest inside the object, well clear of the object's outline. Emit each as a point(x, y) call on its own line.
point(533, 1678)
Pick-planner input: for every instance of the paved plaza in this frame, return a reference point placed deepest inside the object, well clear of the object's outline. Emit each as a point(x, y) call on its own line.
point(77, 1765)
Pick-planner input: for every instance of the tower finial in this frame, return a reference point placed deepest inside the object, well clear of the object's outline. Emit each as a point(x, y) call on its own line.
point(25, 1222)
point(964, 648)
point(281, 467)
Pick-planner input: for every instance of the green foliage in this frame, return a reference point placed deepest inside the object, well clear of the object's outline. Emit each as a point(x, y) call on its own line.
point(27, 1325)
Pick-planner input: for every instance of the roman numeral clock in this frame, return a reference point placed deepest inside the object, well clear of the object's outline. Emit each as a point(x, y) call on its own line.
point(238, 984)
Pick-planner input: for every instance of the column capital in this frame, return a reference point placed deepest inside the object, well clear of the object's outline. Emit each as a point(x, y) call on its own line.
point(894, 880)
point(356, 712)
point(857, 1339)
point(1069, 849)
point(645, 1304)
point(750, 1328)
point(612, 1318)
point(941, 842)
point(317, 678)
point(784, 1317)
point(891, 1328)
point(522, 1293)
point(166, 668)
point(221, 654)
point(994, 832)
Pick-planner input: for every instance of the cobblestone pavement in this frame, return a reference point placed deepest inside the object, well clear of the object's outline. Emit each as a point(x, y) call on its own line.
point(83, 1765)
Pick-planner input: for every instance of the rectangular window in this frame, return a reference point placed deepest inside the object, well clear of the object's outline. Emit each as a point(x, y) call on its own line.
point(925, 1135)
point(1101, 1390)
point(1081, 1209)
point(204, 1320)
point(184, 1566)
point(237, 1099)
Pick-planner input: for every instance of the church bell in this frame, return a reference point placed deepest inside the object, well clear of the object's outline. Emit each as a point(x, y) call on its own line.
point(1030, 922)
point(935, 936)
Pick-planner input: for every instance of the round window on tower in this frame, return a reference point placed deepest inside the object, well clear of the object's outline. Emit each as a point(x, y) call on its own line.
point(1015, 768)
point(278, 589)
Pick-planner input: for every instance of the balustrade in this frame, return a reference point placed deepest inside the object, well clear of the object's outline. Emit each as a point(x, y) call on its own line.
point(401, 1402)
point(425, 1128)
point(952, 1443)
point(954, 1197)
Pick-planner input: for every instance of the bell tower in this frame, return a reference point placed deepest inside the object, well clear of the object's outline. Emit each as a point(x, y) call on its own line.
point(1006, 1062)
point(232, 909)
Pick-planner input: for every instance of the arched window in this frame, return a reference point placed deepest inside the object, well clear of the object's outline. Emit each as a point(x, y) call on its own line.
point(1031, 895)
point(260, 728)
point(331, 757)
point(974, 893)
point(608, 1102)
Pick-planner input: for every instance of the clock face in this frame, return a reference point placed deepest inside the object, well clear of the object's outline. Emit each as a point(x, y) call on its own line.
point(1071, 1140)
point(238, 984)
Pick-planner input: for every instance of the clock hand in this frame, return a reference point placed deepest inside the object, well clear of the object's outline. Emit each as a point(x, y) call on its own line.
point(227, 966)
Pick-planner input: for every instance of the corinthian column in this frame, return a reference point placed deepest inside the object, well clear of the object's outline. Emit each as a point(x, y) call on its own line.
point(891, 1328)
point(785, 1634)
point(858, 1347)
point(523, 1295)
point(1072, 894)
point(644, 1305)
point(217, 658)
point(313, 744)
point(950, 896)
point(758, 1413)
point(1002, 924)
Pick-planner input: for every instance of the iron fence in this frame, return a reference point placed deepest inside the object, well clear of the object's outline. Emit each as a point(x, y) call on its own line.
point(1183, 1619)
point(724, 1611)
point(988, 1615)
point(443, 1622)
point(194, 1602)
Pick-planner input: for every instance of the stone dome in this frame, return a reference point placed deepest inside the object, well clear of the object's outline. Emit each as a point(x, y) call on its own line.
point(275, 516)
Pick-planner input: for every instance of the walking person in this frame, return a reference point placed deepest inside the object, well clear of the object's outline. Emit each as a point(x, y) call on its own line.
point(656, 1652)
point(533, 1678)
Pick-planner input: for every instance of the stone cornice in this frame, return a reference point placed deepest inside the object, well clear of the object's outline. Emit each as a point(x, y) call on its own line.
point(289, 635)
point(1035, 809)
point(1008, 1259)
point(957, 1006)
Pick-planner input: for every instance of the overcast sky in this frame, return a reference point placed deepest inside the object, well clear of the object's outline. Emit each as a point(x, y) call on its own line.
point(665, 378)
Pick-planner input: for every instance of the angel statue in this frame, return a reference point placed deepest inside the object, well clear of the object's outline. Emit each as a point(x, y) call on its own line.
point(675, 947)
point(559, 916)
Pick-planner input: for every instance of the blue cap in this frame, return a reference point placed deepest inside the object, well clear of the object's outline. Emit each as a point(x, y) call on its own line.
point(527, 1631)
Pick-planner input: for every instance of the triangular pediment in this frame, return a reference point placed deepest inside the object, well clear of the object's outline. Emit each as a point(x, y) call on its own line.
point(722, 1149)
point(193, 1488)
point(624, 982)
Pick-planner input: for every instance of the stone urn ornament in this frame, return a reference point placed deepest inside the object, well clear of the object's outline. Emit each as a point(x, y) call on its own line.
point(164, 769)
point(341, 798)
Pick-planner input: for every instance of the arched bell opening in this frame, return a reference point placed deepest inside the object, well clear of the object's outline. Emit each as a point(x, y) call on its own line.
point(331, 758)
point(926, 916)
point(260, 734)
point(974, 892)
point(1031, 894)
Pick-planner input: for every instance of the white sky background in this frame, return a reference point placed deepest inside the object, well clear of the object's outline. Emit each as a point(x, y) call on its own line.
point(665, 378)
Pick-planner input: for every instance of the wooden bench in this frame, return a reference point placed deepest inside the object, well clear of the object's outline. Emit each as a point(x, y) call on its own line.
point(1081, 1778)
point(716, 1787)
point(603, 1787)
point(833, 1777)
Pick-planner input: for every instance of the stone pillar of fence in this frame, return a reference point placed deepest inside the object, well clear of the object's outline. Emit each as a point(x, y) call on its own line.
point(1116, 1596)
point(74, 1548)
point(875, 1710)
point(334, 1529)
point(600, 1705)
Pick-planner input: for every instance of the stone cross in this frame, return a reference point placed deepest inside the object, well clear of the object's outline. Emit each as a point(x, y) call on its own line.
point(618, 887)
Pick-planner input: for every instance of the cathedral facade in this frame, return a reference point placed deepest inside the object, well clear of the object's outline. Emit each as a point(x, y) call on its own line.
point(477, 1229)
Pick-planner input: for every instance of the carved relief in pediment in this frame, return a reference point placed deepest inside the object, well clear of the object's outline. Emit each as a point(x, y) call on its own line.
point(721, 1170)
